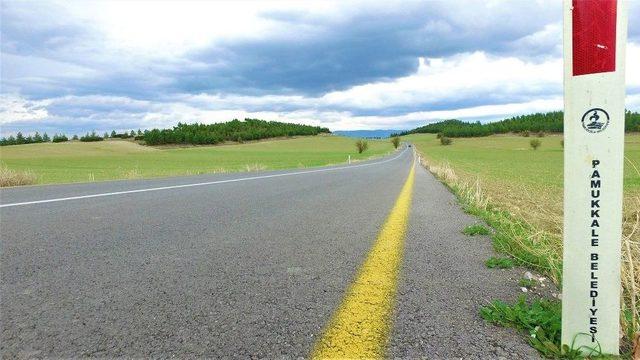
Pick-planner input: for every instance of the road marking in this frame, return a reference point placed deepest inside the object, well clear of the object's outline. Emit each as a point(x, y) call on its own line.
point(199, 184)
point(361, 325)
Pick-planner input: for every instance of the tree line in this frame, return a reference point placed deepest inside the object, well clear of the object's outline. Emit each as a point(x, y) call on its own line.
point(20, 139)
point(551, 122)
point(195, 134)
point(235, 130)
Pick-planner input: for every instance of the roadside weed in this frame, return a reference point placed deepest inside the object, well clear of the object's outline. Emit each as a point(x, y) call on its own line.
point(540, 319)
point(500, 263)
point(527, 283)
point(475, 229)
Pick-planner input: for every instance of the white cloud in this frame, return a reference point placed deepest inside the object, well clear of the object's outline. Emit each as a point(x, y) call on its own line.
point(17, 109)
point(169, 28)
point(457, 78)
point(633, 70)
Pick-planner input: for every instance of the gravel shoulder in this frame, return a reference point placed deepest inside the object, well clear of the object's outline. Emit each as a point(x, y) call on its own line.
point(444, 283)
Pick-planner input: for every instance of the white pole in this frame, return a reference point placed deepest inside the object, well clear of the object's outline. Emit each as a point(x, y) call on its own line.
point(594, 53)
point(349, 160)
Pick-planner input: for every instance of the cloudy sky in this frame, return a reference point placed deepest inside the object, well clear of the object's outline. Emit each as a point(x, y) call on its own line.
point(80, 66)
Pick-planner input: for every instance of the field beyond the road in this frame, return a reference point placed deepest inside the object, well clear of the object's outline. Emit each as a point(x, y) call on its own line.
point(121, 159)
point(527, 182)
point(502, 174)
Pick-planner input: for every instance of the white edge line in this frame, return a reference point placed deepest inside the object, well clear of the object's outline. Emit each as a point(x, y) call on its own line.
point(198, 184)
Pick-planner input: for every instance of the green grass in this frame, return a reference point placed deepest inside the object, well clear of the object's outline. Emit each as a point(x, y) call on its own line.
point(540, 320)
point(500, 263)
point(475, 229)
point(122, 159)
point(510, 158)
point(518, 192)
point(527, 283)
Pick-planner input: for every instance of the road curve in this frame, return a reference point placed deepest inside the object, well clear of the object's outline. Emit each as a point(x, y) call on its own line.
point(235, 265)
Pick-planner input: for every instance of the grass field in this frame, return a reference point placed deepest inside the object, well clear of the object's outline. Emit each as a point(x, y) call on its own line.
point(121, 159)
point(519, 191)
point(513, 174)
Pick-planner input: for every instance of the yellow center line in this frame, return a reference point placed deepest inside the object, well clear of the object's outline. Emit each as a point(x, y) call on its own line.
point(360, 326)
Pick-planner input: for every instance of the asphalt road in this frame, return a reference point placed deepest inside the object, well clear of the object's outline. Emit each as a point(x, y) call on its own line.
point(238, 266)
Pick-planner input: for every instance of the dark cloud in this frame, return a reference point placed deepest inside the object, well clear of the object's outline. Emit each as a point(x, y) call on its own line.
point(371, 46)
point(290, 67)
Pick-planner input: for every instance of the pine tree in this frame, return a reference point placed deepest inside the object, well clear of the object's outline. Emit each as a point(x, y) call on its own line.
point(37, 138)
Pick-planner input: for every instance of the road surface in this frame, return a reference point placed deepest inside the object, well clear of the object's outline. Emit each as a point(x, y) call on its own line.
point(240, 265)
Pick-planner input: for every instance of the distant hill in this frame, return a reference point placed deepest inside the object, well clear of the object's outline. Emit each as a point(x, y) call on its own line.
point(367, 134)
point(551, 122)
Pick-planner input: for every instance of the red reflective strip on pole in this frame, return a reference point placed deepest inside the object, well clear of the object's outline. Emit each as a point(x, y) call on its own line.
point(594, 36)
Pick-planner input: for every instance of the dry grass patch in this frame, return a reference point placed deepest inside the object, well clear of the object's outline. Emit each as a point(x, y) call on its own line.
point(9, 177)
point(631, 265)
point(255, 167)
point(131, 174)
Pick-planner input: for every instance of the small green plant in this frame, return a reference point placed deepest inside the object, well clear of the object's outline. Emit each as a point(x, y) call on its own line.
point(475, 229)
point(395, 140)
point(362, 145)
point(527, 283)
point(540, 319)
point(500, 263)
point(535, 144)
point(445, 140)
point(525, 133)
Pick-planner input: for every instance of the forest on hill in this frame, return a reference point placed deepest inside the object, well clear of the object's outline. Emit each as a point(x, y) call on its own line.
point(235, 130)
point(550, 122)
